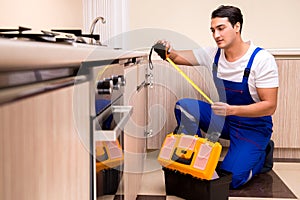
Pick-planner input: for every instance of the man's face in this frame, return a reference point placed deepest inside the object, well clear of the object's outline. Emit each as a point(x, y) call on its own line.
point(223, 32)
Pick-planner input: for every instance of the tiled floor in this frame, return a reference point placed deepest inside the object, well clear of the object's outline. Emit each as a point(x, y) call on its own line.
point(289, 173)
point(280, 184)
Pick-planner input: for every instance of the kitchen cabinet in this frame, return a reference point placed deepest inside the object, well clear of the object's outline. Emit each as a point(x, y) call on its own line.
point(43, 148)
point(47, 136)
point(135, 94)
point(286, 119)
point(168, 87)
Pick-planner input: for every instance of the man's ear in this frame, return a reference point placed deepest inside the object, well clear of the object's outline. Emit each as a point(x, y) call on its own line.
point(237, 27)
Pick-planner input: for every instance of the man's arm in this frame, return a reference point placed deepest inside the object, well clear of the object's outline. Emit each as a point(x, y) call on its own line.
point(183, 57)
point(265, 107)
point(180, 57)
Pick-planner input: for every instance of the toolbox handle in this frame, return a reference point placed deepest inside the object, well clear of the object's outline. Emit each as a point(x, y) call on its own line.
point(182, 160)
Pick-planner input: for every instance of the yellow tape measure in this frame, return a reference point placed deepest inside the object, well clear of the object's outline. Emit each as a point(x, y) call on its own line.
point(189, 80)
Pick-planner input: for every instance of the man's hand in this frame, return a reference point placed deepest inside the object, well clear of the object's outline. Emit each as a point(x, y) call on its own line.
point(222, 109)
point(179, 57)
point(167, 44)
point(265, 107)
point(162, 48)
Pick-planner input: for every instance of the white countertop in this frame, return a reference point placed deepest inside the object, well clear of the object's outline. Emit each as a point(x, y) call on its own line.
point(22, 55)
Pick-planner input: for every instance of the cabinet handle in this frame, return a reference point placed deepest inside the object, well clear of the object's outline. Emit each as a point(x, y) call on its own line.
point(139, 87)
point(16, 93)
point(65, 82)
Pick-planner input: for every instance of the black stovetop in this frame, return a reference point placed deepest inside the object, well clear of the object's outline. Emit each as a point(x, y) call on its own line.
point(67, 36)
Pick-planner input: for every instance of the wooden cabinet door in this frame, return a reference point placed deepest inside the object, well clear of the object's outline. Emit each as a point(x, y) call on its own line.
point(287, 118)
point(134, 138)
point(41, 151)
point(168, 87)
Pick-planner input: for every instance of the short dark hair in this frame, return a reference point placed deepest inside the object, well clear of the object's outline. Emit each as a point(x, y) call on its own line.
point(233, 14)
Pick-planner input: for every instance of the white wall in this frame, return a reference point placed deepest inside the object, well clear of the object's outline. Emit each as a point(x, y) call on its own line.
point(268, 23)
point(41, 14)
point(114, 13)
point(73, 14)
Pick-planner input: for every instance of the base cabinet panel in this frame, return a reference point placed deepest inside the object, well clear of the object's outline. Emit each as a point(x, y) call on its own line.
point(41, 153)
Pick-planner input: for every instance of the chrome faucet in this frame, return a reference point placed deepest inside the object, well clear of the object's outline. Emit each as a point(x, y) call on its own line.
point(92, 28)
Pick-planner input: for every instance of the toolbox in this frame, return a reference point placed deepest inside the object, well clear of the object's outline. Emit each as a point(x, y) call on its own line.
point(189, 163)
point(109, 167)
point(190, 155)
point(188, 187)
point(109, 154)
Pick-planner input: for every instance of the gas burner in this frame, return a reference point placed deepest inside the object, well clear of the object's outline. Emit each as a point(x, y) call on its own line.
point(78, 33)
point(20, 29)
point(64, 36)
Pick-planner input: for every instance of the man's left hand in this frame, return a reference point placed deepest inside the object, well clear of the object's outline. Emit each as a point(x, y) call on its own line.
point(222, 109)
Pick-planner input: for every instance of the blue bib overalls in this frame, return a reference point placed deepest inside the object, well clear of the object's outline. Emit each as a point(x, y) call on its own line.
point(249, 136)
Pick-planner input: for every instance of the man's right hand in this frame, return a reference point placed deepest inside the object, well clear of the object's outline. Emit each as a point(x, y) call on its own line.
point(166, 43)
point(180, 57)
point(162, 48)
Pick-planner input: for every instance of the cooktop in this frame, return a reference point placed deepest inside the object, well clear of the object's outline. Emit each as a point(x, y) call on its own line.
point(65, 36)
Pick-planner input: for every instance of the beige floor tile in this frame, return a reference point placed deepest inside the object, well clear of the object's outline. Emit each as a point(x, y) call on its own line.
point(173, 198)
point(106, 197)
point(290, 174)
point(153, 183)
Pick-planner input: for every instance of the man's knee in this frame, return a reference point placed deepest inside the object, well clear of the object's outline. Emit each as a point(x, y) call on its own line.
point(239, 179)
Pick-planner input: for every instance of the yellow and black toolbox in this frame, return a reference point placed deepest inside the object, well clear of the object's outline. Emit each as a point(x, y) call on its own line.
point(109, 154)
point(190, 167)
point(109, 164)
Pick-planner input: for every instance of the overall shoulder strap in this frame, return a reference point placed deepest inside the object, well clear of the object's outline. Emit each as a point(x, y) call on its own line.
point(248, 68)
point(216, 60)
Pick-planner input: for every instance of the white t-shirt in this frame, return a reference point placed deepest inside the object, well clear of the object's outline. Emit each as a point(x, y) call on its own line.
point(264, 71)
